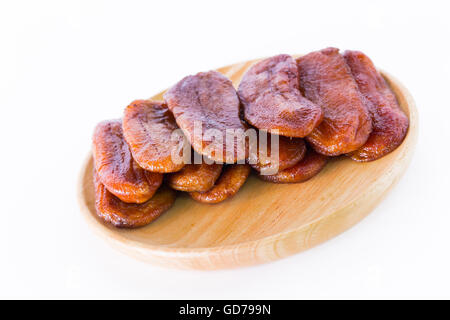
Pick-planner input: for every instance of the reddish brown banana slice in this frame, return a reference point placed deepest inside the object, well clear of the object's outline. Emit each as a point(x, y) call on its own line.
point(326, 80)
point(390, 124)
point(209, 100)
point(195, 177)
point(148, 127)
point(130, 215)
point(116, 168)
point(311, 165)
point(290, 152)
point(230, 181)
point(269, 92)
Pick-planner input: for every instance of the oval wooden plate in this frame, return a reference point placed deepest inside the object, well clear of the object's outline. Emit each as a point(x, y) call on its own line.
point(264, 221)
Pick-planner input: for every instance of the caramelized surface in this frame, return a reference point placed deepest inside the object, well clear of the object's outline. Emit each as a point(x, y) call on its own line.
point(208, 98)
point(269, 92)
point(326, 80)
point(148, 127)
point(389, 122)
point(311, 165)
point(130, 215)
point(290, 152)
point(195, 177)
point(230, 181)
point(116, 168)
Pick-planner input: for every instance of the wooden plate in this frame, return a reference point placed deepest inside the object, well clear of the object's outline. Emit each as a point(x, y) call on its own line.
point(264, 221)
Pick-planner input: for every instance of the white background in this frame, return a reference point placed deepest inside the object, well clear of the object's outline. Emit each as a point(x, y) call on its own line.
point(65, 65)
